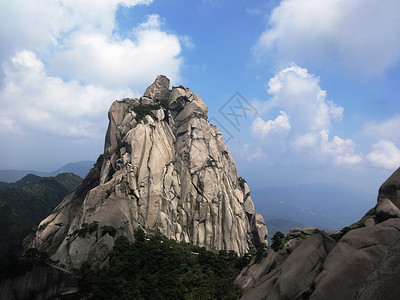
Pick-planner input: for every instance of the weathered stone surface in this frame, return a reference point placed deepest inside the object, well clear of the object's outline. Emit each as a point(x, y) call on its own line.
point(293, 277)
point(390, 189)
point(158, 89)
point(40, 283)
point(384, 281)
point(164, 169)
point(353, 259)
point(364, 264)
point(386, 209)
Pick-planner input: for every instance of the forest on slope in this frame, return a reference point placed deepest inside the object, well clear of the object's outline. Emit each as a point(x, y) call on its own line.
point(25, 203)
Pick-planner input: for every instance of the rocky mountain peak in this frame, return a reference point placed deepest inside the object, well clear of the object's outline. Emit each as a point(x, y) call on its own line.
point(165, 169)
point(158, 89)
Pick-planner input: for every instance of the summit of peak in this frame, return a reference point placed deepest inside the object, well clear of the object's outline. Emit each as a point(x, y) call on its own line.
point(158, 88)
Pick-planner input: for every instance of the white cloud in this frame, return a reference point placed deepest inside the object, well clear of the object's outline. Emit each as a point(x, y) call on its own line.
point(311, 115)
point(386, 129)
point(65, 64)
point(361, 35)
point(306, 140)
point(298, 93)
point(113, 62)
point(32, 101)
point(38, 25)
point(385, 154)
point(187, 41)
point(280, 125)
point(341, 150)
point(251, 154)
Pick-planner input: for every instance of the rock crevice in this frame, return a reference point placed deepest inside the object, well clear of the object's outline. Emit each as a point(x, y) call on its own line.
point(166, 169)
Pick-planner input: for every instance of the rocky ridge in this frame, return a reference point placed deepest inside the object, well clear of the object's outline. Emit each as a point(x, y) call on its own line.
point(166, 169)
point(311, 264)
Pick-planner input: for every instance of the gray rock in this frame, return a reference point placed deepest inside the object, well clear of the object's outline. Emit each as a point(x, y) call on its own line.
point(294, 277)
point(386, 209)
point(390, 189)
point(40, 283)
point(353, 259)
point(158, 89)
point(168, 171)
point(364, 264)
point(384, 281)
point(308, 230)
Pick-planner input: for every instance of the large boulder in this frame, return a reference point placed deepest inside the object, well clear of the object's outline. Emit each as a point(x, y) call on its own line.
point(166, 169)
point(363, 264)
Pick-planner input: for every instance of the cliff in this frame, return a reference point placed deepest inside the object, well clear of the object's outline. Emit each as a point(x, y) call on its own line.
point(166, 169)
point(40, 283)
point(361, 262)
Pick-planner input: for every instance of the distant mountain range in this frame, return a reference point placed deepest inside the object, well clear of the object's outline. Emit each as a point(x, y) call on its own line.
point(26, 202)
point(324, 206)
point(80, 168)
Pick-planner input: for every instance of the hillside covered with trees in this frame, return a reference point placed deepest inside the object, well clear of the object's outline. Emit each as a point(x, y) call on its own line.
point(25, 203)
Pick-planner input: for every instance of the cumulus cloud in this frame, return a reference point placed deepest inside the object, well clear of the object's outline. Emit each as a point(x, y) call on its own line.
point(311, 115)
point(299, 94)
point(279, 125)
point(43, 24)
point(251, 154)
point(342, 150)
point(64, 65)
point(385, 154)
point(362, 35)
point(32, 101)
point(111, 61)
point(384, 129)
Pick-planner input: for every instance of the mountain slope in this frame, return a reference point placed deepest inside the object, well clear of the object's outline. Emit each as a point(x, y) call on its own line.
point(80, 168)
point(166, 169)
point(361, 262)
point(24, 203)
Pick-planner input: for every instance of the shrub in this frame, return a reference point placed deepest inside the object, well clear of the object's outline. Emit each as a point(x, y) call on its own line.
point(161, 269)
point(277, 241)
point(87, 228)
point(260, 253)
point(139, 234)
point(93, 226)
point(110, 230)
point(242, 181)
point(343, 231)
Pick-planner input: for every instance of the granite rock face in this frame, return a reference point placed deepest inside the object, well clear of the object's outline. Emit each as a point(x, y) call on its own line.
point(363, 264)
point(40, 283)
point(166, 169)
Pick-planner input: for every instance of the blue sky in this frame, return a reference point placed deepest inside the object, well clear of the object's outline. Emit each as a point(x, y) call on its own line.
point(320, 78)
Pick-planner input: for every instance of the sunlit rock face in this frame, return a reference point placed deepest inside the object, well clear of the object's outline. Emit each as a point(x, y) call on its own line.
point(166, 169)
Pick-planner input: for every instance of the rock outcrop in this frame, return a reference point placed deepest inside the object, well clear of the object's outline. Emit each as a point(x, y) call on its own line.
point(166, 169)
point(363, 264)
point(40, 283)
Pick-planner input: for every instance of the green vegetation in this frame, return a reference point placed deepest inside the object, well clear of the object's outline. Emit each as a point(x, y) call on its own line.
point(338, 236)
point(242, 181)
point(343, 231)
point(110, 230)
point(12, 266)
point(87, 229)
point(260, 253)
point(278, 241)
point(29, 201)
point(159, 268)
point(143, 110)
